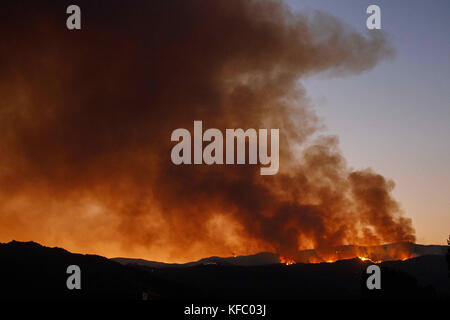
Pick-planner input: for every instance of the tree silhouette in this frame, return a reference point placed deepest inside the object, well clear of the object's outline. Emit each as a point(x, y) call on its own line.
point(448, 255)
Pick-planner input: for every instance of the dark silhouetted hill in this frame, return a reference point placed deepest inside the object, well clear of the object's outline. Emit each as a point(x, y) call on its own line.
point(32, 271)
point(382, 252)
point(339, 280)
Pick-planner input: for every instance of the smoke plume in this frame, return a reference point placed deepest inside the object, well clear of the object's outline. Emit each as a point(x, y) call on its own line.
point(86, 118)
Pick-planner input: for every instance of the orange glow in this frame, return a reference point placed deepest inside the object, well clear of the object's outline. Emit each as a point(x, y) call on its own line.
point(88, 168)
point(368, 259)
point(363, 259)
point(287, 261)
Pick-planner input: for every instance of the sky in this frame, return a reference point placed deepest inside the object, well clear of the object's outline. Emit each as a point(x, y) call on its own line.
point(395, 118)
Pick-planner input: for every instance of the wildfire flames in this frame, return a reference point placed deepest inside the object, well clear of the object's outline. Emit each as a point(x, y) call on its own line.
point(376, 254)
point(86, 119)
point(287, 261)
point(368, 259)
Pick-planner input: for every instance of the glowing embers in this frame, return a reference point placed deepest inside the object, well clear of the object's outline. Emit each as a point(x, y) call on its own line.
point(287, 261)
point(368, 259)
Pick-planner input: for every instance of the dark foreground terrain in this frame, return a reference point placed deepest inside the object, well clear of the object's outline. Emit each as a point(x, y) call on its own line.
point(31, 271)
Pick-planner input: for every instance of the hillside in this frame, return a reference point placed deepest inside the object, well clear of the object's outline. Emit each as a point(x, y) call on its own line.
point(382, 252)
point(32, 271)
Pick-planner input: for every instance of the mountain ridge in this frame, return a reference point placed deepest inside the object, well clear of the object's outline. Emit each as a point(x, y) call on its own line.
point(304, 256)
point(32, 271)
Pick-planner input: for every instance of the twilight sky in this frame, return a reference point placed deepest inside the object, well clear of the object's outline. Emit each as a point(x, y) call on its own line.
point(395, 118)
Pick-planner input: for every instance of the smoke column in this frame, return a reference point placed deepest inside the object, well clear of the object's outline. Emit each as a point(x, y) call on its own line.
point(86, 118)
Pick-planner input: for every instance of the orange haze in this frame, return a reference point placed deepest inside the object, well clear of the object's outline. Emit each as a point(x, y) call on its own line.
point(86, 118)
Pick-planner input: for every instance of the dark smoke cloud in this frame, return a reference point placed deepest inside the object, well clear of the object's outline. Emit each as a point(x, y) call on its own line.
point(86, 118)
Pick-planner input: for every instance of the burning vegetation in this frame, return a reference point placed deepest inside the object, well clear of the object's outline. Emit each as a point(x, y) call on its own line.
point(375, 254)
point(287, 261)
